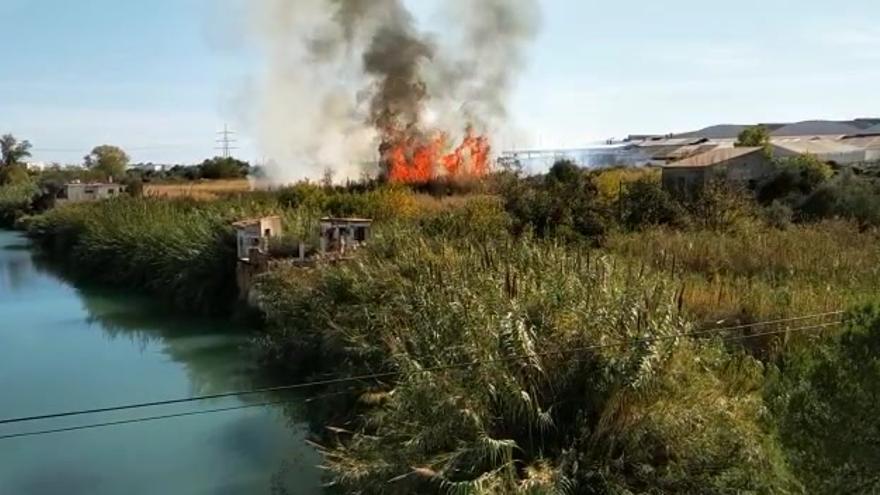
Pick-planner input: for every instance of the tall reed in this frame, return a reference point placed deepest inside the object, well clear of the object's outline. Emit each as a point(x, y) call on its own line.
point(517, 371)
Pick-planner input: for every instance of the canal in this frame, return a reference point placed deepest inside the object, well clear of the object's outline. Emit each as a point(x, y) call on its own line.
point(65, 347)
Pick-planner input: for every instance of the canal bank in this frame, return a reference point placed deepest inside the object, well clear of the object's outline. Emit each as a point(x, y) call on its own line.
point(64, 347)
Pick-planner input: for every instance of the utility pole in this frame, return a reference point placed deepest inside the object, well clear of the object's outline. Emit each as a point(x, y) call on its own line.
point(226, 141)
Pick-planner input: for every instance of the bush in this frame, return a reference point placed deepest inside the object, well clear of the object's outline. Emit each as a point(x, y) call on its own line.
point(564, 205)
point(722, 206)
point(846, 196)
point(826, 403)
point(16, 201)
point(644, 203)
point(794, 179)
point(779, 215)
point(223, 168)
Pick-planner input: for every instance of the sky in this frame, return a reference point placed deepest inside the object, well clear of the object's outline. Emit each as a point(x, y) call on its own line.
point(160, 78)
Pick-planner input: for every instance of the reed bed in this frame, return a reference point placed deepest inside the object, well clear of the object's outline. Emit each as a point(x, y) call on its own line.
point(762, 273)
point(182, 250)
point(558, 402)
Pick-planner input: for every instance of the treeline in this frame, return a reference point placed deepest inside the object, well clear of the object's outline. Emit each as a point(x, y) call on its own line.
point(210, 169)
point(576, 204)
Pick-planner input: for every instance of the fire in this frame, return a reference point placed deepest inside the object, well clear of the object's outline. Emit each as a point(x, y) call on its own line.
point(411, 159)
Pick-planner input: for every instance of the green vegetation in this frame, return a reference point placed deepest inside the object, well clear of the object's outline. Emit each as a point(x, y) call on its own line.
point(15, 201)
point(758, 273)
point(182, 250)
point(110, 162)
point(224, 168)
point(826, 402)
point(754, 136)
point(13, 151)
point(537, 415)
point(508, 322)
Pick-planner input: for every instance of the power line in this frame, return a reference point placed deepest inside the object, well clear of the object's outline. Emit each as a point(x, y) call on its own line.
point(226, 141)
point(268, 404)
point(139, 420)
point(390, 374)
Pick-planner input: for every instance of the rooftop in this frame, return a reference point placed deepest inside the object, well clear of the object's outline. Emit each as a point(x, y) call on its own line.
point(864, 141)
point(347, 220)
point(254, 221)
point(713, 157)
point(817, 146)
point(805, 128)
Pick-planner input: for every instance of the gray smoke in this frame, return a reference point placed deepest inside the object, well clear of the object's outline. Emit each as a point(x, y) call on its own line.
point(343, 74)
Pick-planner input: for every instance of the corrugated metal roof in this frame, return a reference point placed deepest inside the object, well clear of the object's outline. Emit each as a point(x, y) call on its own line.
point(817, 146)
point(723, 131)
point(713, 157)
point(683, 152)
point(816, 128)
point(649, 143)
point(864, 142)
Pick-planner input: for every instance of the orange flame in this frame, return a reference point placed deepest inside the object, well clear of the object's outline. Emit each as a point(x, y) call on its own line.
point(412, 160)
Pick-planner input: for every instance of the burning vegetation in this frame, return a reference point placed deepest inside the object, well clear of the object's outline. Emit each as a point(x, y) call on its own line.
point(412, 159)
point(350, 78)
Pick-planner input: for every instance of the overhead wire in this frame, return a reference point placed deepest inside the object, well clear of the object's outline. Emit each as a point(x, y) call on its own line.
point(389, 374)
point(375, 376)
point(269, 404)
point(139, 420)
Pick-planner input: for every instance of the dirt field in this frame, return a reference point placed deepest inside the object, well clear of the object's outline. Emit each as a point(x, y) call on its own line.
point(207, 189)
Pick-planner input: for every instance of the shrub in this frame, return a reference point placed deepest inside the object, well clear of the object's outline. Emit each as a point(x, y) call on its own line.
point(15, 201)
point(564, 204)
point(794, 179)
point(611, 181)
point(846, 196)
point(778, 215)
point(722, 206)
point(644, 203)
point(825, 399)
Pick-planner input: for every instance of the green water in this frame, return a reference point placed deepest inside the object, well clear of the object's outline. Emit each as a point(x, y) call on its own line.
point(67, 348)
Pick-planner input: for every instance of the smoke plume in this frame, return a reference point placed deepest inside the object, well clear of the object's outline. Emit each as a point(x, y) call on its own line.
point(352, 84)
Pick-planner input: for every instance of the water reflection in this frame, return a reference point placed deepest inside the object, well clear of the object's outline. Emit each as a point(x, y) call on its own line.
point(66, 346)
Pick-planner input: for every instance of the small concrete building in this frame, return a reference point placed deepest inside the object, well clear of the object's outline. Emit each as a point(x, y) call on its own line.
point(339, 235)
point(744, 165)
point(78, 192)
point(254, 235)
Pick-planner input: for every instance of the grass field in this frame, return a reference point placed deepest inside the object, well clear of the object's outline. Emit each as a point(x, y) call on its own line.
point(207, 189)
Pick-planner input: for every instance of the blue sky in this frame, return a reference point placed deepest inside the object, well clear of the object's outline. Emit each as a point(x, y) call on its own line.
point(160, 77)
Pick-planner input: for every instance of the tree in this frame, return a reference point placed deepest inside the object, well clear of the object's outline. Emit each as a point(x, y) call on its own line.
point(14, 151)
point(644, 203)
point(795, 177)
point(758, 135)
point(564, 204)
point(224, 168)
point(110, 161)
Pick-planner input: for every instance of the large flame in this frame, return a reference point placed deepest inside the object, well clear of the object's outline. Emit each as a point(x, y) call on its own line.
point(412, 158)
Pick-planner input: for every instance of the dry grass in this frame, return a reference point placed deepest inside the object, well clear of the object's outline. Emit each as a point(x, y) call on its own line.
point(205, 189)
point(762, 274)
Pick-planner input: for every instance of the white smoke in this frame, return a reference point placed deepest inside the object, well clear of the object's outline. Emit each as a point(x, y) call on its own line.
point(339, 71)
